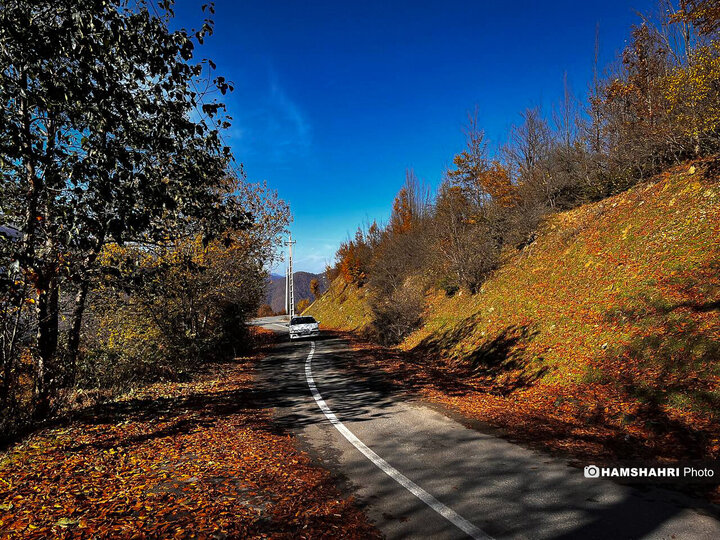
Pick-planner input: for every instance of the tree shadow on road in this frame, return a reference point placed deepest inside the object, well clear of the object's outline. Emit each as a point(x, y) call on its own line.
point(525, 492)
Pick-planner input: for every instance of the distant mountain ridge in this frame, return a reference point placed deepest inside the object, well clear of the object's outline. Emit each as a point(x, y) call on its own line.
point(275, 293)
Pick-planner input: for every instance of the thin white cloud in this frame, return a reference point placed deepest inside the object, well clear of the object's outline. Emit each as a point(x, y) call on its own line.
point(272, 125)
point(289, 115)
point(309, 259)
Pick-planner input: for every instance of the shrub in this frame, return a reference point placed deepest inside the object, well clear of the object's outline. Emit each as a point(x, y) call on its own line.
point(448, 285)
point(302, 305)
point(394, 317)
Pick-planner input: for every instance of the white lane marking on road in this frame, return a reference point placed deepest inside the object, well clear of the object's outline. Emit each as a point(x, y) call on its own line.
point(448, 513)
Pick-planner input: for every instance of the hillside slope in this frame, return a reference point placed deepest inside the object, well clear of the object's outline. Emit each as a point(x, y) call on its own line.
point(611, 316)
point(342, 307)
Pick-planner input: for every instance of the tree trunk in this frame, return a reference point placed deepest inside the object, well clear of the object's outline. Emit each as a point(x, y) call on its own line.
point(74, 331)
point(44, 277)
point(47, 339)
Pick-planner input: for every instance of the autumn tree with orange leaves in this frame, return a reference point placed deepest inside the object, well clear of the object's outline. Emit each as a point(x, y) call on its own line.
point(315, 288)
point(410, 206)
point(353, 259)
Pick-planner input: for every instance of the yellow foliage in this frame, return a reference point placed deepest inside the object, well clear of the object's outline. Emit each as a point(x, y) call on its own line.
point(302, 305)
point(693, 92)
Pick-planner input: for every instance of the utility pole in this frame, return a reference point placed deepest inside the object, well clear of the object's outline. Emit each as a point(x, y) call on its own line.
point(289, 291)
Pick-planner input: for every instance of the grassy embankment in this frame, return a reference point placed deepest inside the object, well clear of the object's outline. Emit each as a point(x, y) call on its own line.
point(606, 328)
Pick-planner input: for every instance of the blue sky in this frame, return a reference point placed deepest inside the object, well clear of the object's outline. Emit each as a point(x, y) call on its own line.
point(333, 101)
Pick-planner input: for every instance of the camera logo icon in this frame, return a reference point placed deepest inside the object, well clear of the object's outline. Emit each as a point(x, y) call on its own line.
point(591, 471)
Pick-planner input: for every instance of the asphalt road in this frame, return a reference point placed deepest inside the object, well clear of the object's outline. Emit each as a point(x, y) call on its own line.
point(382, 444)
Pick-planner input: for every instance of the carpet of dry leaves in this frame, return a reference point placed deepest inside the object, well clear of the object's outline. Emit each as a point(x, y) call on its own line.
point(200, 459)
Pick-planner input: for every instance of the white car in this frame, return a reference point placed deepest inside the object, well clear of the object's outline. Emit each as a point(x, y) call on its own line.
point(303, 327)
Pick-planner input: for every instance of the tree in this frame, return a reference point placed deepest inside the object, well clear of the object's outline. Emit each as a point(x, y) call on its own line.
point(315, 288)
point(98, 146)
point(410, 205)
point(353, 258)
point(636, 126)
point(399, 250)
point(529, 145)
point(162, 310)
point(302, 305)
point(705, 14)
point(332, 271)
point(693, 97)
point(566, 116)
point(471, 164)
point(463, 240)
point(495, 181)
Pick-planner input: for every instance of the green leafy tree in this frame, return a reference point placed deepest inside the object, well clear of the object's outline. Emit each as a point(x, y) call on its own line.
point(100, 143)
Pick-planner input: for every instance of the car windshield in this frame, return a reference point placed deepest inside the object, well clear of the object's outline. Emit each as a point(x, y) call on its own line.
point(302, 320)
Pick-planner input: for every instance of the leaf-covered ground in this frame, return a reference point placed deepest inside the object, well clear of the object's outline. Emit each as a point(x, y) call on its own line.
point(534, 417)
point(602, 338)
point(185, 460)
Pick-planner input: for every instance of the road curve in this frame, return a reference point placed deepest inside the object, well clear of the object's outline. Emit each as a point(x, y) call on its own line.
point(501, 489)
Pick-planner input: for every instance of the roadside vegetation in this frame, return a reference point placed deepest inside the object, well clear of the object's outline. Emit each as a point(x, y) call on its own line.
point(572, 275)
point(132, 250)
point(606, 327)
